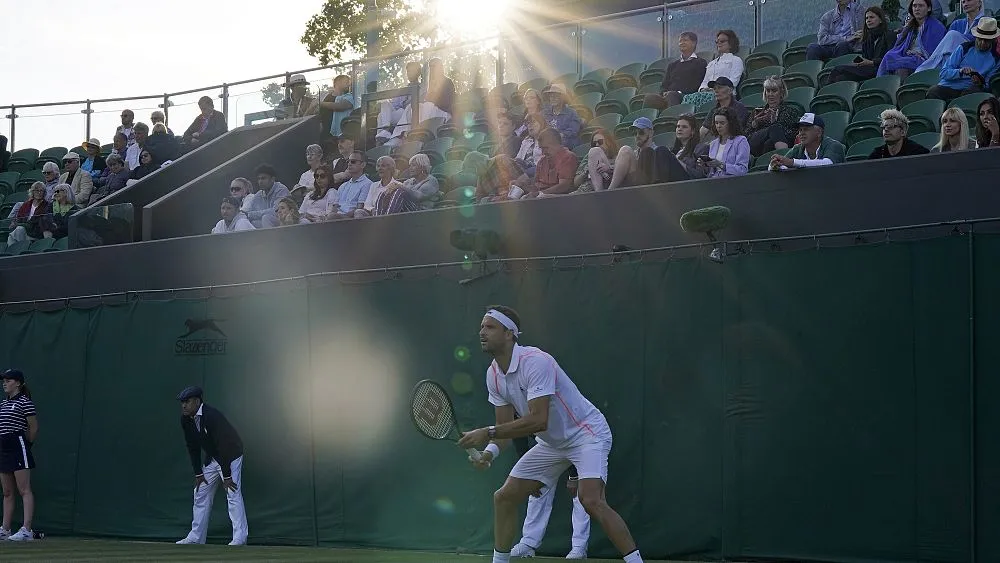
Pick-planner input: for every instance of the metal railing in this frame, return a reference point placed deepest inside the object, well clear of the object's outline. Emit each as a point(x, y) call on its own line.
point(573, 47)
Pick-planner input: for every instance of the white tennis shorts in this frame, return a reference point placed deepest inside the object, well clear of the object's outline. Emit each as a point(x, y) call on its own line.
point(545, 463)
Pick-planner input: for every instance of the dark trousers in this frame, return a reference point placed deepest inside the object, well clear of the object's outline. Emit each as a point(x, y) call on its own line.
point(817, 52)
point(664, 101)
point(851, 72)
point(948, 94)
point(764, 140)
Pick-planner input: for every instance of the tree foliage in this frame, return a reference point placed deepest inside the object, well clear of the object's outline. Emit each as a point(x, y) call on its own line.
point(339, 31)
point(272, 94)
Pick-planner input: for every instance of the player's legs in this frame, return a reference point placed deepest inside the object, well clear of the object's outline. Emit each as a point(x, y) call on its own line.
point(537, 517)
point(591, 462)
point(203, 498)
point(237, 512)
point(540, 466)
point(9, 502)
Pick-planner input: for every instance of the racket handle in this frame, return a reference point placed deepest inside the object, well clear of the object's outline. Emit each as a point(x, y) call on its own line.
point(475, 454)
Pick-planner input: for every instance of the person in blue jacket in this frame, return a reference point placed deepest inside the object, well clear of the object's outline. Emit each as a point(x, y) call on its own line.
point(971, 66)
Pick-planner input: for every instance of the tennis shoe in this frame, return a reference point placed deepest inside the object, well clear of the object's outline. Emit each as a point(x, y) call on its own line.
point(187, 541)
point(577, 553)
point(522, 550)
point(4, 534)
point(22, 535)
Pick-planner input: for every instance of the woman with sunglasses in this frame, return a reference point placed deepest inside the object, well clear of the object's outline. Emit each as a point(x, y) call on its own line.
point(317, 205)
point(596, 168)
point(145, 168)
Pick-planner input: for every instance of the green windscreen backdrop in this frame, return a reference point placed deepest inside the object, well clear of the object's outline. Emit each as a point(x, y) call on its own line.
point(830, 404)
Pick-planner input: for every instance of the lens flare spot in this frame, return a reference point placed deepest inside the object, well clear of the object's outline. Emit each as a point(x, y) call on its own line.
point(462, 354)
point(461, 383)
point(444, 505)
point(466, 263)
point(467, 210)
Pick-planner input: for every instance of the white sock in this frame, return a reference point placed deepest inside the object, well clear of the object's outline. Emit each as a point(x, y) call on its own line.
point(501, 557)
point(633, 557)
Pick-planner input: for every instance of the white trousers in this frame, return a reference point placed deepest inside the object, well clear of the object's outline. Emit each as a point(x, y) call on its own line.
point(205, 495)
point(427, 111)
point(387, 117)
point(537, 519)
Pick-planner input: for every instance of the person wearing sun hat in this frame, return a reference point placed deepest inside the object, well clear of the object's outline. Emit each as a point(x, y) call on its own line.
point(94, 163)
point(971, 67)
point(560, 116)
point(298, 103)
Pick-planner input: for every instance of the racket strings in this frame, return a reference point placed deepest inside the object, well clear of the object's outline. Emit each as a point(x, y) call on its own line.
point(432, 411)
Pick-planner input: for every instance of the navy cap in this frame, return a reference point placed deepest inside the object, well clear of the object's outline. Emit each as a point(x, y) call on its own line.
point(721, 81)
point(15, 374)
point(188, 392)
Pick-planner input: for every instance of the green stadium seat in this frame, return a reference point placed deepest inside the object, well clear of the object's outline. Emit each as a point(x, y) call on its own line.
point(861, 150)
point(533, 84)
point(924, 116)
point(373, 154)
point(701, 112)
point(801, 97)
point(654, 73)
point(761, 163)
point(437, 149)
point(865, 125)
point(8, 181)
point(463, 195)
point(638, 100)
point(446, 170)
point(927, 140)
point(625, 77)
point(836, 124)
point(426, 130)
point(881, 90)
point(593, 81)
point(11, 200)
point(53, 154)
point(506, 91)
point(915, 86)
point(568, 80)
point(59, 244)
point(835, 97)
point(754, 101)
point(28, 178)
point(754, 82)
point(665, 139)
point(623, 141)
point(40, 245)
point(607, 121)
point(407, 149)
point(616, 101)
point(995, 85)
point(667, 120)
point(475, 162)
point(796, 51)
point(22, 160)
point(584, 105)
point(765, 54)
point(15, 249)
point(833, 63)
point(803, 74)
point(3, 247)
point(581, 150)
point(648, 113)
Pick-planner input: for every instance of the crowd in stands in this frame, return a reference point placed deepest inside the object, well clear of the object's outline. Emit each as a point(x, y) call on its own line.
point(544, 139)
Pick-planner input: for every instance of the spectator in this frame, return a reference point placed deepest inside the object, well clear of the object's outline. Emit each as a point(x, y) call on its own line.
point(506, 142)
point(232, 218)
point(530, 153)
point(683, 76)
point(557, 169)
point(840, 32)
point(120, 144)
point(627, 169)
point(109, 183)
point(386, 167)
point(814, 148)
point(688, 147)
point(987, 129)
point(354, 192)
point(145, 168)
point(323, 197)
point(126, 127)
point(729, 151)
point(895, 126)
point(971, 66)
point(532, 106)
point(337, 105)
point(438, 101)
point(773, 126)
point(916, 41)
point(162, 145)
point(158, 117)
point(240, 188)
point(345, 147)
point(56, 225)
point(959, 32)
point(288, 212)
point(422, 186)
point(299, 103)
point(25, 220)
point(50, 177)
point(391, 111)
point(725, 65)
point(875, 41)
point(392, 196)
point(597, 167)
point(80, 180)
point(141, 131)
point(495, 105)
point(95, 163)
point(954, 132)
point(314, 158)
point(261, 209)
point(209, 125)
point(561, 117)
point(723, 88)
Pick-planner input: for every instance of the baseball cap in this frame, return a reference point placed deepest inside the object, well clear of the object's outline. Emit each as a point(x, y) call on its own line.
point(15, 374)
point(71, 156)
point(812, 119)
point(642, 123)
point(188, 392)
point(721, 81)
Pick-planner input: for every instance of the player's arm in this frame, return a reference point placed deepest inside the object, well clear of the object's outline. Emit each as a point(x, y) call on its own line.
point(537, 420)
point(505, 415)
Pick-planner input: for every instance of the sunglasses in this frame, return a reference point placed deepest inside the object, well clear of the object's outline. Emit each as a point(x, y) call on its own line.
point(352, 161)
point(235, 188)
point(597, 143)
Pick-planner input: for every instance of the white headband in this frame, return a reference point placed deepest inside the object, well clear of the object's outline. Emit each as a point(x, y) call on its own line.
point(504, 320)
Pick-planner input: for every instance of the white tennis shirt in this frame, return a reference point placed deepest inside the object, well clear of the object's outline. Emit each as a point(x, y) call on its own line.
point(573, 420)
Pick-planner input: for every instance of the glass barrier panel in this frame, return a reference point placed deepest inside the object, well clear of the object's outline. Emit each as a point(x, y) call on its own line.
point(705, 20)
point(791, 19)
point(614, 43)
point(471, 66)
point(255, 102)
point(50, 126)
point(101, 226)
point(545, 54)
point(184, 109)
point(5, 125)
point(107, 117)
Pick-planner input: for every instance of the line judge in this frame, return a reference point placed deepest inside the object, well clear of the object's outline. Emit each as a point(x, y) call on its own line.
point(205, 428)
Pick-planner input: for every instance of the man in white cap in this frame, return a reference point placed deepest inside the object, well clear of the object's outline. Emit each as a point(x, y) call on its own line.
point(971, 67)
point(814, 148)
point(299, 103)
point(561, 117)
point(80, 180)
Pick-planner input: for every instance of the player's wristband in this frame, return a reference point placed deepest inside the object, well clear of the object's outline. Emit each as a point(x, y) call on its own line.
point(493, 449)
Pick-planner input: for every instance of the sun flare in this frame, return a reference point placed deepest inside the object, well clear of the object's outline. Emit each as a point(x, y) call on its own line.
point(471, 17)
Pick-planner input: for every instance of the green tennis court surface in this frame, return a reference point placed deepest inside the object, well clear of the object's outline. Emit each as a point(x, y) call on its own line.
point(72, 549)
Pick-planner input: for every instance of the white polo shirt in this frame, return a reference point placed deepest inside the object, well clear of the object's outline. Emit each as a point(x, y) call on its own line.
point(573, 420)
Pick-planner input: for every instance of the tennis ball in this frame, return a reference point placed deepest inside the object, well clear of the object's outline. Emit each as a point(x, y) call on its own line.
point(461, 383)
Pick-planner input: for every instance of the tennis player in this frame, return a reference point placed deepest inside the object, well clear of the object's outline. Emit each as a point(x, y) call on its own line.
point(569, 430)
point(18, 430)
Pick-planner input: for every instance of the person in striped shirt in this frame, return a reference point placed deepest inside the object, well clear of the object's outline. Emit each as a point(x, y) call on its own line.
point(18, 429)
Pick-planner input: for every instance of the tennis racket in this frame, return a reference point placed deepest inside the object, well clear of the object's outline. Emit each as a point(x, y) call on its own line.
point(434, 415)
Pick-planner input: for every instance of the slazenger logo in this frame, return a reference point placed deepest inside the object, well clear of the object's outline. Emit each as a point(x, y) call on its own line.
point(186, 346)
